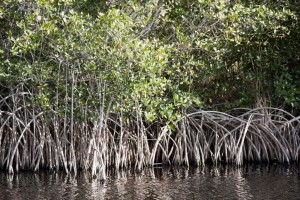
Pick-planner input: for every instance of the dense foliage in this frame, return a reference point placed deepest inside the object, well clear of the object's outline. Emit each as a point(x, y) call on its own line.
point(154, 57)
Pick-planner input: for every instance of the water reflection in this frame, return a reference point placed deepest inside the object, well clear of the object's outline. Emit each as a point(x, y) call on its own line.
point(219, 182)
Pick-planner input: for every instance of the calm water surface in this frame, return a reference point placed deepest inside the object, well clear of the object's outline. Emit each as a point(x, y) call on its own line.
point(223, 182)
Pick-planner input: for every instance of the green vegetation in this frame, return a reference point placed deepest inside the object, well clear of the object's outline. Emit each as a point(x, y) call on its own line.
point(90, 84)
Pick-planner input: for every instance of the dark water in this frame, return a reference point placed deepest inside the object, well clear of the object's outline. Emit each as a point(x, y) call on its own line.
point(223, 182)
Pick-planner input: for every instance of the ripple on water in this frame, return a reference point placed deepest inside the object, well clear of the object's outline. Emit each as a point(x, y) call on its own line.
point(222, 182)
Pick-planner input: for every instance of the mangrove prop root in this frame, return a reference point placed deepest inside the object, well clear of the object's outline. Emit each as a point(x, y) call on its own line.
point(31, 139)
